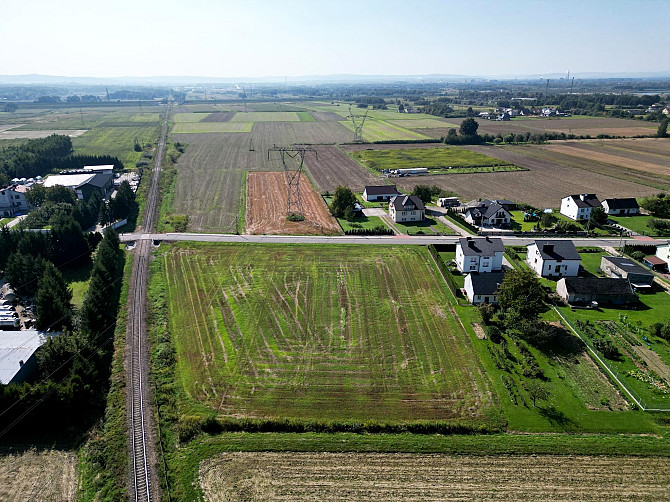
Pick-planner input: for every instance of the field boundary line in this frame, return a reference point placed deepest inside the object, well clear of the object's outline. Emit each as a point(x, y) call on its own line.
point(606, 367)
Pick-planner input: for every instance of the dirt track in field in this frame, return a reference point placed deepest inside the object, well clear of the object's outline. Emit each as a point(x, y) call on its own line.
point(266, 203)
point(38, 476)
point(356, 477)
point(219, 117)
point(333, 168)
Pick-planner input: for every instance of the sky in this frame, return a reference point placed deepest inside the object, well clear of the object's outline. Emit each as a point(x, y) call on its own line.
point(256, 38)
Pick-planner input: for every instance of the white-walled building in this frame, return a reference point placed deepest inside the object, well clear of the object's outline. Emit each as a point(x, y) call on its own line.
point(380, 193)
point(579, 207)
point(554, 258)
point(404, 208)
point(12, 201)
point(621, 206)
point(483, 288)
point(479, 254)
point(663, 252)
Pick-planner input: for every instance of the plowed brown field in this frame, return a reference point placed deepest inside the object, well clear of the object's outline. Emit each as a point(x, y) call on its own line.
point(267, 195)
point(543, 185)
point(333, 168)
point(402, 477)
point(569, 125)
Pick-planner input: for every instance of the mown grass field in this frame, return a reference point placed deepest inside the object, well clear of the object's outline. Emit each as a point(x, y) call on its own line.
point(409, 477)
point(210, 127)
point(638, 223)
point(380, 130)
point(38, 475)
point(431, 158)
point(320, 333)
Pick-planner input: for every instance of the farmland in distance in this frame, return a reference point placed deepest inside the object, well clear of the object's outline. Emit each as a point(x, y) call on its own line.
point(320, 333)
point(266, 202)
point(260, 476)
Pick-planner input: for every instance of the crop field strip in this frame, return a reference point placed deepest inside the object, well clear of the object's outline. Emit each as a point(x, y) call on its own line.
point(379, 130)
point(569, 125)
point(316, 332)
point(211, 171)
point(38, 475)
point(409, 477)
point(267, 195)
point(583, 161)
point(333, 168)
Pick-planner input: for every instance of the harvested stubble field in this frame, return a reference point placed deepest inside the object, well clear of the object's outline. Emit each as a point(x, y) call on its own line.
point(333, 168)
point(267, 195)
point(543, 185)
point(612, 161)
point(212, 127)
point(210, 172)
point(410, 477)
point(320, 333)
point(38, 476)
point(570, 125)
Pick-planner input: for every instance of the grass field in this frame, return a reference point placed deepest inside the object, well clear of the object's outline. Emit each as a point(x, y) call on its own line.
point(210, 127)
point(271, 117)
point(440, 158)
point(38, 475)
point(320, 333)
point(261, 476)
point(187, 117)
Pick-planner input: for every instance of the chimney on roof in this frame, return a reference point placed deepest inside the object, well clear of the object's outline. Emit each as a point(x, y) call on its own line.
point(471, 243)
point(488, 238)
point(548, 248)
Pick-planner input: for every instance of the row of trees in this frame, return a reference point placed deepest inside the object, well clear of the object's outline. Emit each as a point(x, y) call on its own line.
point(73, 367)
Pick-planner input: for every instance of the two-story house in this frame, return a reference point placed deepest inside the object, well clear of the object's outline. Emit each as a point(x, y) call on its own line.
point(579, 207)
point(404, 208)
point(12, 201)
point(479, 254)
point(488, 214)
point(554, 258)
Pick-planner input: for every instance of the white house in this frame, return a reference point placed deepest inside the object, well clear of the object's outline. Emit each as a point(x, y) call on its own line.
point(579, 207)
point(663, 252)
point(489, 214)
point(12, 201)
point(621, 206)
point(557, 258)
point(380, 193)
point(483, 288)
point(479, 254)
point(406, 208)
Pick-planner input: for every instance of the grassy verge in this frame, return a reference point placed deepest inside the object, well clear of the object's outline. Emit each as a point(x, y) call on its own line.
point(103, 461)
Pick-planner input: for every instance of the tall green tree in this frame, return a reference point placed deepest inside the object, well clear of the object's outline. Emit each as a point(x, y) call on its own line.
point(521, 295)
point(662, 131)
point(468, 127)
point(343, 200)
point(53, 301)
point(423, 192)
point(598, 216)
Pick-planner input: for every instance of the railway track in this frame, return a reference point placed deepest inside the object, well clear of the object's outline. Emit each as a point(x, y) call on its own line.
point(144, 486)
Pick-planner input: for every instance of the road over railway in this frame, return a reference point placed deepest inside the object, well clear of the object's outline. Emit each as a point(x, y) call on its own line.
point(143, 480)
point(398, 239)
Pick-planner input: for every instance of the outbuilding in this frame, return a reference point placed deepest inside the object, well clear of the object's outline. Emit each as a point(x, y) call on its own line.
point(380, 193)
point(17, 354)
point(621, 206)
point(625, 268)
point(483, 288)
point(586, 290)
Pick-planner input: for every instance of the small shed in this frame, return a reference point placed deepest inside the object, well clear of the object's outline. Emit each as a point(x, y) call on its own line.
point(656, 263)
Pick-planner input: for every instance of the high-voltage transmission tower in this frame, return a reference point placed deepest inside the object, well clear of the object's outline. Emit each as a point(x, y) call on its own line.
point(358, 128)
point(293, 175)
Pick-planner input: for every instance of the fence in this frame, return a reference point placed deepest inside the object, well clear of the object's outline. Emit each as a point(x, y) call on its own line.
point(644, 406)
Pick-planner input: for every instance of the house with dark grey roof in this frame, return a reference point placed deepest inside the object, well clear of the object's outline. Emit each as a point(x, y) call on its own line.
point(406, 208)
point(621, 206)
point(483, 288)
point(558, 258)
point(488, 214)
point(586, 290)
point(579, 207)
point(482, 254)
point(619, 267)
point(379, 193)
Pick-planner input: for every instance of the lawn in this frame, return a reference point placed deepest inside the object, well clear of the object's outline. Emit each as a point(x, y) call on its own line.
point(429, 226)
point(361, 222)
point(638, 224)
point(77, 278)
point(5, 221)
point(432, 158)
point(319, 333)
point(188, 117)
point(519, 225)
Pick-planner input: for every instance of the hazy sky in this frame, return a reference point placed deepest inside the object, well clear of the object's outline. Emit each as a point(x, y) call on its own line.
point(221, 38)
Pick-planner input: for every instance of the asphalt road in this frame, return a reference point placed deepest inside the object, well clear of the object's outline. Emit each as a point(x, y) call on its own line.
point(395, 240)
